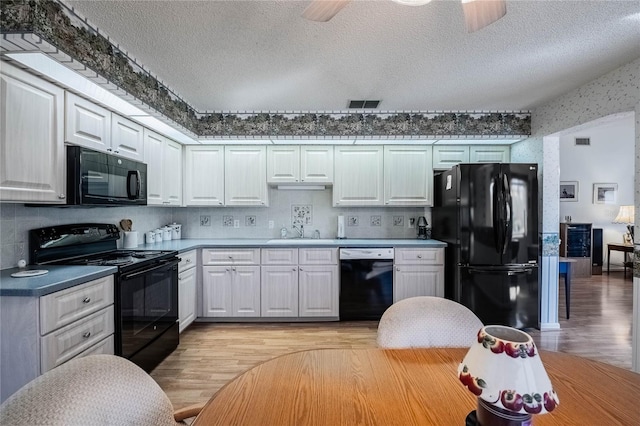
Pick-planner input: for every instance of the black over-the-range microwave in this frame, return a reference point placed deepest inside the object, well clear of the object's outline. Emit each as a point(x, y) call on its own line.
point(97, 178)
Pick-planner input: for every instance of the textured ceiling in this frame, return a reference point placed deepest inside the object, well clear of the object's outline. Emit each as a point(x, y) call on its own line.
point(262, 55)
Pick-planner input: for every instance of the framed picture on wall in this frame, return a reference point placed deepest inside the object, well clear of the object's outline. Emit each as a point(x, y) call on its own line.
point(569, 190)
point(605, 193)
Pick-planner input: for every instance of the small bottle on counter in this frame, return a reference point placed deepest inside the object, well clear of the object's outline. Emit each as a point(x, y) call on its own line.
point(283, 231)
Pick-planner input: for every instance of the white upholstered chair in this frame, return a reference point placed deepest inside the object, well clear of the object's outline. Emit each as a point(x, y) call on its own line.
point(424, 321)
point(93, 390)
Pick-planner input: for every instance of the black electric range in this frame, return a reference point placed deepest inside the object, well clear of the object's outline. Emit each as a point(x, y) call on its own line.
point(146, 285)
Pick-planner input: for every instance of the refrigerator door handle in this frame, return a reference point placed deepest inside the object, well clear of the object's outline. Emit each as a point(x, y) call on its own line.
point(497, 214)
point(507, 224)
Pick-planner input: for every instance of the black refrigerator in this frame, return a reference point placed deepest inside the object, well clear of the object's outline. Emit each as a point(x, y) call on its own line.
point(488, 215)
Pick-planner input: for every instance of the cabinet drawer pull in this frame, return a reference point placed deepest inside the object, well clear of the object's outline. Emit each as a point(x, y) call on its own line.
point(86, 300)
point(87, 335)
point(419, 256)
point(188, 260)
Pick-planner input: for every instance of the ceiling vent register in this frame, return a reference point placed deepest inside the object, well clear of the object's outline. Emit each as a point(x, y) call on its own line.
point(363, 104)
point(583, 141)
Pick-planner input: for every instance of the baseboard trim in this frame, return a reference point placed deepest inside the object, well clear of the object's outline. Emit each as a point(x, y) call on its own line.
point(548, 326)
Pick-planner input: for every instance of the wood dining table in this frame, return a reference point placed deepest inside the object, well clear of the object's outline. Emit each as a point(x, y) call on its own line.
point(406, 387)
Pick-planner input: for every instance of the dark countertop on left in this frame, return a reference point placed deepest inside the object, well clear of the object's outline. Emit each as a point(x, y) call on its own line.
point(59, 278)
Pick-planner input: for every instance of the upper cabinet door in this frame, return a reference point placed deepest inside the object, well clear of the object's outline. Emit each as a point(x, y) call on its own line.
point(316, 164)
point(204, 175)
point(490, 154)
point(447, 156)
point(358, 176)
point(86, 124)
point(245, 176)
point(127, 138)
point(283, 164)
point(154, 147)
point(32, 159)
point(172, 173)
point(408, 175)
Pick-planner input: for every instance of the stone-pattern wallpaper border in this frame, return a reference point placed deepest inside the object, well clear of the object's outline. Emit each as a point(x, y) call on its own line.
point(60, 26)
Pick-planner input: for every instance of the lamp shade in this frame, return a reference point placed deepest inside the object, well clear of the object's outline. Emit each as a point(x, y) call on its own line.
point(504, 369)
point(626, 215)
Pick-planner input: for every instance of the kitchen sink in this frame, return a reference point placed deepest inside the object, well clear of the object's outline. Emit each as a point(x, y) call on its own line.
point(299, 241)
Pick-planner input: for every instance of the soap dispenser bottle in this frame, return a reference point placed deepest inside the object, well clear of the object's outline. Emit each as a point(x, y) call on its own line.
point(283, 231)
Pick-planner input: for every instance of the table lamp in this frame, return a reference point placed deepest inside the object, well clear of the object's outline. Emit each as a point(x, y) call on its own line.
point(626, 215)
point(503, 369)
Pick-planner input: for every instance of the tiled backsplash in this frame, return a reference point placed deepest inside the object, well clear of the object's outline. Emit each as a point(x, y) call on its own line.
point(314, 208)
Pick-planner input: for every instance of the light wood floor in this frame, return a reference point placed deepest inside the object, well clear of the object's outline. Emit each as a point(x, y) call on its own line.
point(210, 354)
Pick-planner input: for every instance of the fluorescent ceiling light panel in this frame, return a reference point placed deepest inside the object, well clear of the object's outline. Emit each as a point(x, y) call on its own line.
point(74, 81)
point(161, 127)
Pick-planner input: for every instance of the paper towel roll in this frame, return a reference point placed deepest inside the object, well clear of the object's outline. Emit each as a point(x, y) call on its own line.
point(130, 239)
point(340, 226)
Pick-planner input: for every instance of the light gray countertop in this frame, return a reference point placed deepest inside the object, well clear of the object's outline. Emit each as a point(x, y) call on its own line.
point(61, 277)
point(58, 278)
point(194, 243)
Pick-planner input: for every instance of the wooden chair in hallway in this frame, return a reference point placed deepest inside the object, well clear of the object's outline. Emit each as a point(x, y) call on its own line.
point(93, 390)
point(426, 321)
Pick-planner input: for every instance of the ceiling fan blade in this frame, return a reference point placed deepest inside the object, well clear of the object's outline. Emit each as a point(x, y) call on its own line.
point(323, 10)
point(480, 13)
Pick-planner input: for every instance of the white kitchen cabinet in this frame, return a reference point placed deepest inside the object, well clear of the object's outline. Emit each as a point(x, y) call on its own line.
point(489, 153)
point(32, 164)
point(95, 127)
point(87, 124)
point(318, 282)
point(127, 138)
point(204, 175)
point(447, 156)
point(283, 164)
point(164, 170)
point(245, 176)
point(418, 272)
point(408, 175)
point(358, 176)
point(40, 333)
point(316, 164)
point(231, 291)
point(279, 282)
point(172, 173)
point(300, 164)
point(187, 287)
point(279, 291)
point(231, 288)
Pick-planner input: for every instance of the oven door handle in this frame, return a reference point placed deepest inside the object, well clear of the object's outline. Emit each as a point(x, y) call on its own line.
point(164, 263)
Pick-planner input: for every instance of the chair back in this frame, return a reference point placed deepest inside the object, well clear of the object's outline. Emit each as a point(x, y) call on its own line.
point(425, 321)
point(93, 390)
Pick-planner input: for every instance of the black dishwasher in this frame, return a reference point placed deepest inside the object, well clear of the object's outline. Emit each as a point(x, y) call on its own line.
point(366, 283)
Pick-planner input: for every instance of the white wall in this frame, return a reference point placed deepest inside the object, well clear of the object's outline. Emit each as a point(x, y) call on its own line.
point(609, 159)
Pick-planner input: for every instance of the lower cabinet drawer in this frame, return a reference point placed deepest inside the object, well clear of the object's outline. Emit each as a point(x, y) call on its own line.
point(66, 306)
point(65, 343)
point(104, 347)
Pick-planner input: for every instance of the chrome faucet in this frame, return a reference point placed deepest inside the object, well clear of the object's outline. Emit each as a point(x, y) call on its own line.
point(299, 230)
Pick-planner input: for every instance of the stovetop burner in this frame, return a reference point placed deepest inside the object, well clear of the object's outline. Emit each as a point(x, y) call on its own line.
point(119, 258)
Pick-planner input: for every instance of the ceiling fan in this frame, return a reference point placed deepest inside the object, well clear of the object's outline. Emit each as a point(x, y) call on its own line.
point(477, 13)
